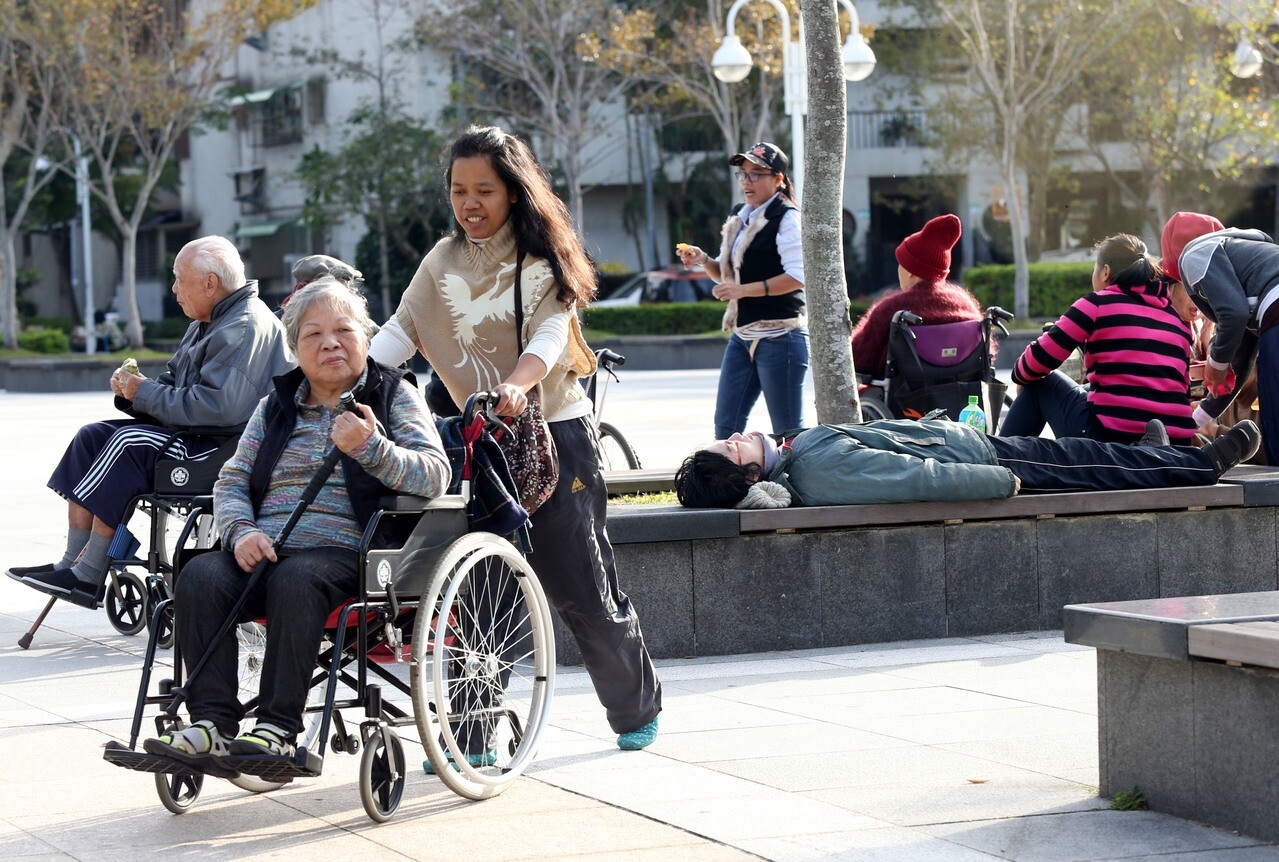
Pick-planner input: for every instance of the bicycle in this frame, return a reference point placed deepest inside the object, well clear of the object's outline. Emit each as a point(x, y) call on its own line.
point(615, 452)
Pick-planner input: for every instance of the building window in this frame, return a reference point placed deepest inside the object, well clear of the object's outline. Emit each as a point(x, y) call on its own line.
point(315, 92)
point(282, 117)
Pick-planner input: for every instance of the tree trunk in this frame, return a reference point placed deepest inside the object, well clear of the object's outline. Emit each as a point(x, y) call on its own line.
point(825, 143)
point(9, 285)
point(1021, 278)
point(384, 263)
point(129, 284)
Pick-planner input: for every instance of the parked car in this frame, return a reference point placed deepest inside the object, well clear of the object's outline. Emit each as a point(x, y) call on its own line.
point(668, 284)
point(676, 284)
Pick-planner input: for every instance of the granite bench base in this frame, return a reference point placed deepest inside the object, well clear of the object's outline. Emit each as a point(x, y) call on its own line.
point(721, 582)
point(1199, 738)
point(68, 375)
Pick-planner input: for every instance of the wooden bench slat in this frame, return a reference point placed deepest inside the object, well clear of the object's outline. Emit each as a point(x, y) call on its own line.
point(1251, 643)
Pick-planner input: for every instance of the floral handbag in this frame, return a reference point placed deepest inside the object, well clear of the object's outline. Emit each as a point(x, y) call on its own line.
point(527, 444)
point(530, 456)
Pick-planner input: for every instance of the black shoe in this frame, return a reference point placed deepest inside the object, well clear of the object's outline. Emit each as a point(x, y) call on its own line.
point(20, 572)
point(58, 582)
point(1156, 434)
point(1235, 446)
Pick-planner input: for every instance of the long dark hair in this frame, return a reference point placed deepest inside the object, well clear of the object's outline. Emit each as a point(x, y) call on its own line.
point(1130, 264)
point(708, 480)
point(541, 222)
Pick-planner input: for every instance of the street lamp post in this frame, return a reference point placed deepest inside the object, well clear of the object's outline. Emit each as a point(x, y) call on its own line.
point(86, 249)
point(732, 63)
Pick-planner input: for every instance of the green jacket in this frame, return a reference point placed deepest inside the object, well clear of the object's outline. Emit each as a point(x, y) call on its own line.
point(897, 461)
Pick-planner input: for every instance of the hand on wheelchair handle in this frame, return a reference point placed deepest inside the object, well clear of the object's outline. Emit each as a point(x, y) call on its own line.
point(252, 548)
point(511, 400)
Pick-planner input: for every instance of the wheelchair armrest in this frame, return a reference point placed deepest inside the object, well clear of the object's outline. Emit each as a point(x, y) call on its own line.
point(410, 503)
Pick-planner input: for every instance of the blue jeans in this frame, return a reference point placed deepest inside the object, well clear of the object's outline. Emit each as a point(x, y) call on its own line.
point(1080, 464)
point(1268, 392)
point(1057, 401)
point(777, 370)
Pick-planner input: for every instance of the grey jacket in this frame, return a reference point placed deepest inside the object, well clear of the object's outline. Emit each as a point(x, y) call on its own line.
point(1228, 274)
point(896, 461)
point(220, 370)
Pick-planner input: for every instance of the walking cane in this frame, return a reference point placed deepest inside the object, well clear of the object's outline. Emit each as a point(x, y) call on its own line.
point(346, 402)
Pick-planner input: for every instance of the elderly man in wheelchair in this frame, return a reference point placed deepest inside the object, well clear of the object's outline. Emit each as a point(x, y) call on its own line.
point(388, 444)
point(221, 369)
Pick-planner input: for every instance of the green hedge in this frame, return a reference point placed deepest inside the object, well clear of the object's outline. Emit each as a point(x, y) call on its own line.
point(169, 329)
point(662, 318)
point(1053, 286)
point(670, 318)
point(44, 341)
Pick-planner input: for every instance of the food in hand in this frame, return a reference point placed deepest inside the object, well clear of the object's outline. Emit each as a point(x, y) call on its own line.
point(683, 247)
point(130, 366)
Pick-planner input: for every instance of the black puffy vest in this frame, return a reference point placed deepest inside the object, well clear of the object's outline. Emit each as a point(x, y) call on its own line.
point(365, 491)
point(762, 261)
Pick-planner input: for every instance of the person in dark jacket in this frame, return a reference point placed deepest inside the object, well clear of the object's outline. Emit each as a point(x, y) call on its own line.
point(389, 445)
point(1232, 275)
point(221, 369)
point(905, 461)
point(760, 270)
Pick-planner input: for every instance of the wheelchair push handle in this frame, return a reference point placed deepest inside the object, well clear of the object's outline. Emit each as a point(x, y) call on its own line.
point(909, 318)
point(482, 404)
point(608, 358)
point(995, 317)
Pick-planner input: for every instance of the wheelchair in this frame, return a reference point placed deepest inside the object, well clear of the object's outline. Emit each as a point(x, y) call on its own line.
point(936, 367)
point(450, 636)
point(176, 484)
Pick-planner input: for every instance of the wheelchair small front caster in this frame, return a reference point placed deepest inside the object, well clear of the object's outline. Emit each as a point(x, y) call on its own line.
point(350, 744)
point(382, 773)
point(178, 790)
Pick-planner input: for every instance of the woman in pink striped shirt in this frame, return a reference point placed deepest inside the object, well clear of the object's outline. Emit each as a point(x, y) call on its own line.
point(1136, 354)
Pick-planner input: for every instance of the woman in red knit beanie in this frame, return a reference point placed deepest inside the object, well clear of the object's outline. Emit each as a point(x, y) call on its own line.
point(923, 260)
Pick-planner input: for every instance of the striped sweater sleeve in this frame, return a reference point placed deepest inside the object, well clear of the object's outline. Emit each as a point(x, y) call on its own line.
point(1047, 352)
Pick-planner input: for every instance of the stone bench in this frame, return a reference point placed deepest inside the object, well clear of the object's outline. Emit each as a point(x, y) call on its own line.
point(719, 582)
point(1188, 703)
point(69, 375)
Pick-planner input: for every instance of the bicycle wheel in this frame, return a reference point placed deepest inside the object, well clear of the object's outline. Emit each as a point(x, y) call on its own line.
point(615, 452)
point(483, 666)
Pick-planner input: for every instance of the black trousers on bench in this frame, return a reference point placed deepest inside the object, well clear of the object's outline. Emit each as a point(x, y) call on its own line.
point(1081, 464)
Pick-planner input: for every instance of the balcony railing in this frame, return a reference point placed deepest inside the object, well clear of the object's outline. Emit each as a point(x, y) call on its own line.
point(869, 130)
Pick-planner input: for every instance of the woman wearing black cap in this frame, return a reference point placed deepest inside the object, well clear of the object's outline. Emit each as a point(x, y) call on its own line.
point(760, 270)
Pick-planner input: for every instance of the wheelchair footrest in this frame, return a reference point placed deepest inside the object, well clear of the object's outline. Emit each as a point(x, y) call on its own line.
point(304, 764)
point(140, 761)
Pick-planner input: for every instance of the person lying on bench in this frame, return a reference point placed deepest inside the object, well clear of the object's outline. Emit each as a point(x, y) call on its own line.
point(904, 461)
point(389, 444)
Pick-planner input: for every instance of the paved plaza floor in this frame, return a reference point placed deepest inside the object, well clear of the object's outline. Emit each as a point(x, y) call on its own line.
point(960, 749)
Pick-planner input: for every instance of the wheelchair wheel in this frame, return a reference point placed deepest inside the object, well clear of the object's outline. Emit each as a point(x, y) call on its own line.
point(873, 409)
point(178, 790)
point(382, 773)
point(127, 610)
point(615, 452)
point(251, 640)
point(483, 666)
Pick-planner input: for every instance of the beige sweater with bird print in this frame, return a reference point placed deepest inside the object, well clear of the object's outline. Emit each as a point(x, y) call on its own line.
point(460, 311)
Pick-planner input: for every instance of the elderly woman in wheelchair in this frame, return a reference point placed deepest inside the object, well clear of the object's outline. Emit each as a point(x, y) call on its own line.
point(389, 444)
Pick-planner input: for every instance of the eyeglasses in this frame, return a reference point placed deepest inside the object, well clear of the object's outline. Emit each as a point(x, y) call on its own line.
point(752, 176)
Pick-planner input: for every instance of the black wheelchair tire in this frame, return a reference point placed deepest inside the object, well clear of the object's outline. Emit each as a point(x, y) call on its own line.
point(615, 450)
point(178, 790)
point(382, 774)
point(128, 610)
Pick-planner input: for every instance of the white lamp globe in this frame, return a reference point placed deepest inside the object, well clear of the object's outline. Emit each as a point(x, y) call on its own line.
point(859, 59)
point(732, 62)
point(1246, 62)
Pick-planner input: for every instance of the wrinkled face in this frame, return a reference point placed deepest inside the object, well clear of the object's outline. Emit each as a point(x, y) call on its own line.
point(741, 449)
point(481, 201)
point(197, 293)
point(332, 348)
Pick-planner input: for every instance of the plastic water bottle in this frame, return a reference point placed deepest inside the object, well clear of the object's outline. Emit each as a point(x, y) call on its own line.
point(973, 415)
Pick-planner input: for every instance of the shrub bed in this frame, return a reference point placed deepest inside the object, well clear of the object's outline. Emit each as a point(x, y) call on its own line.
point(44, 341)
point(1053, 286)
point(671, 318)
